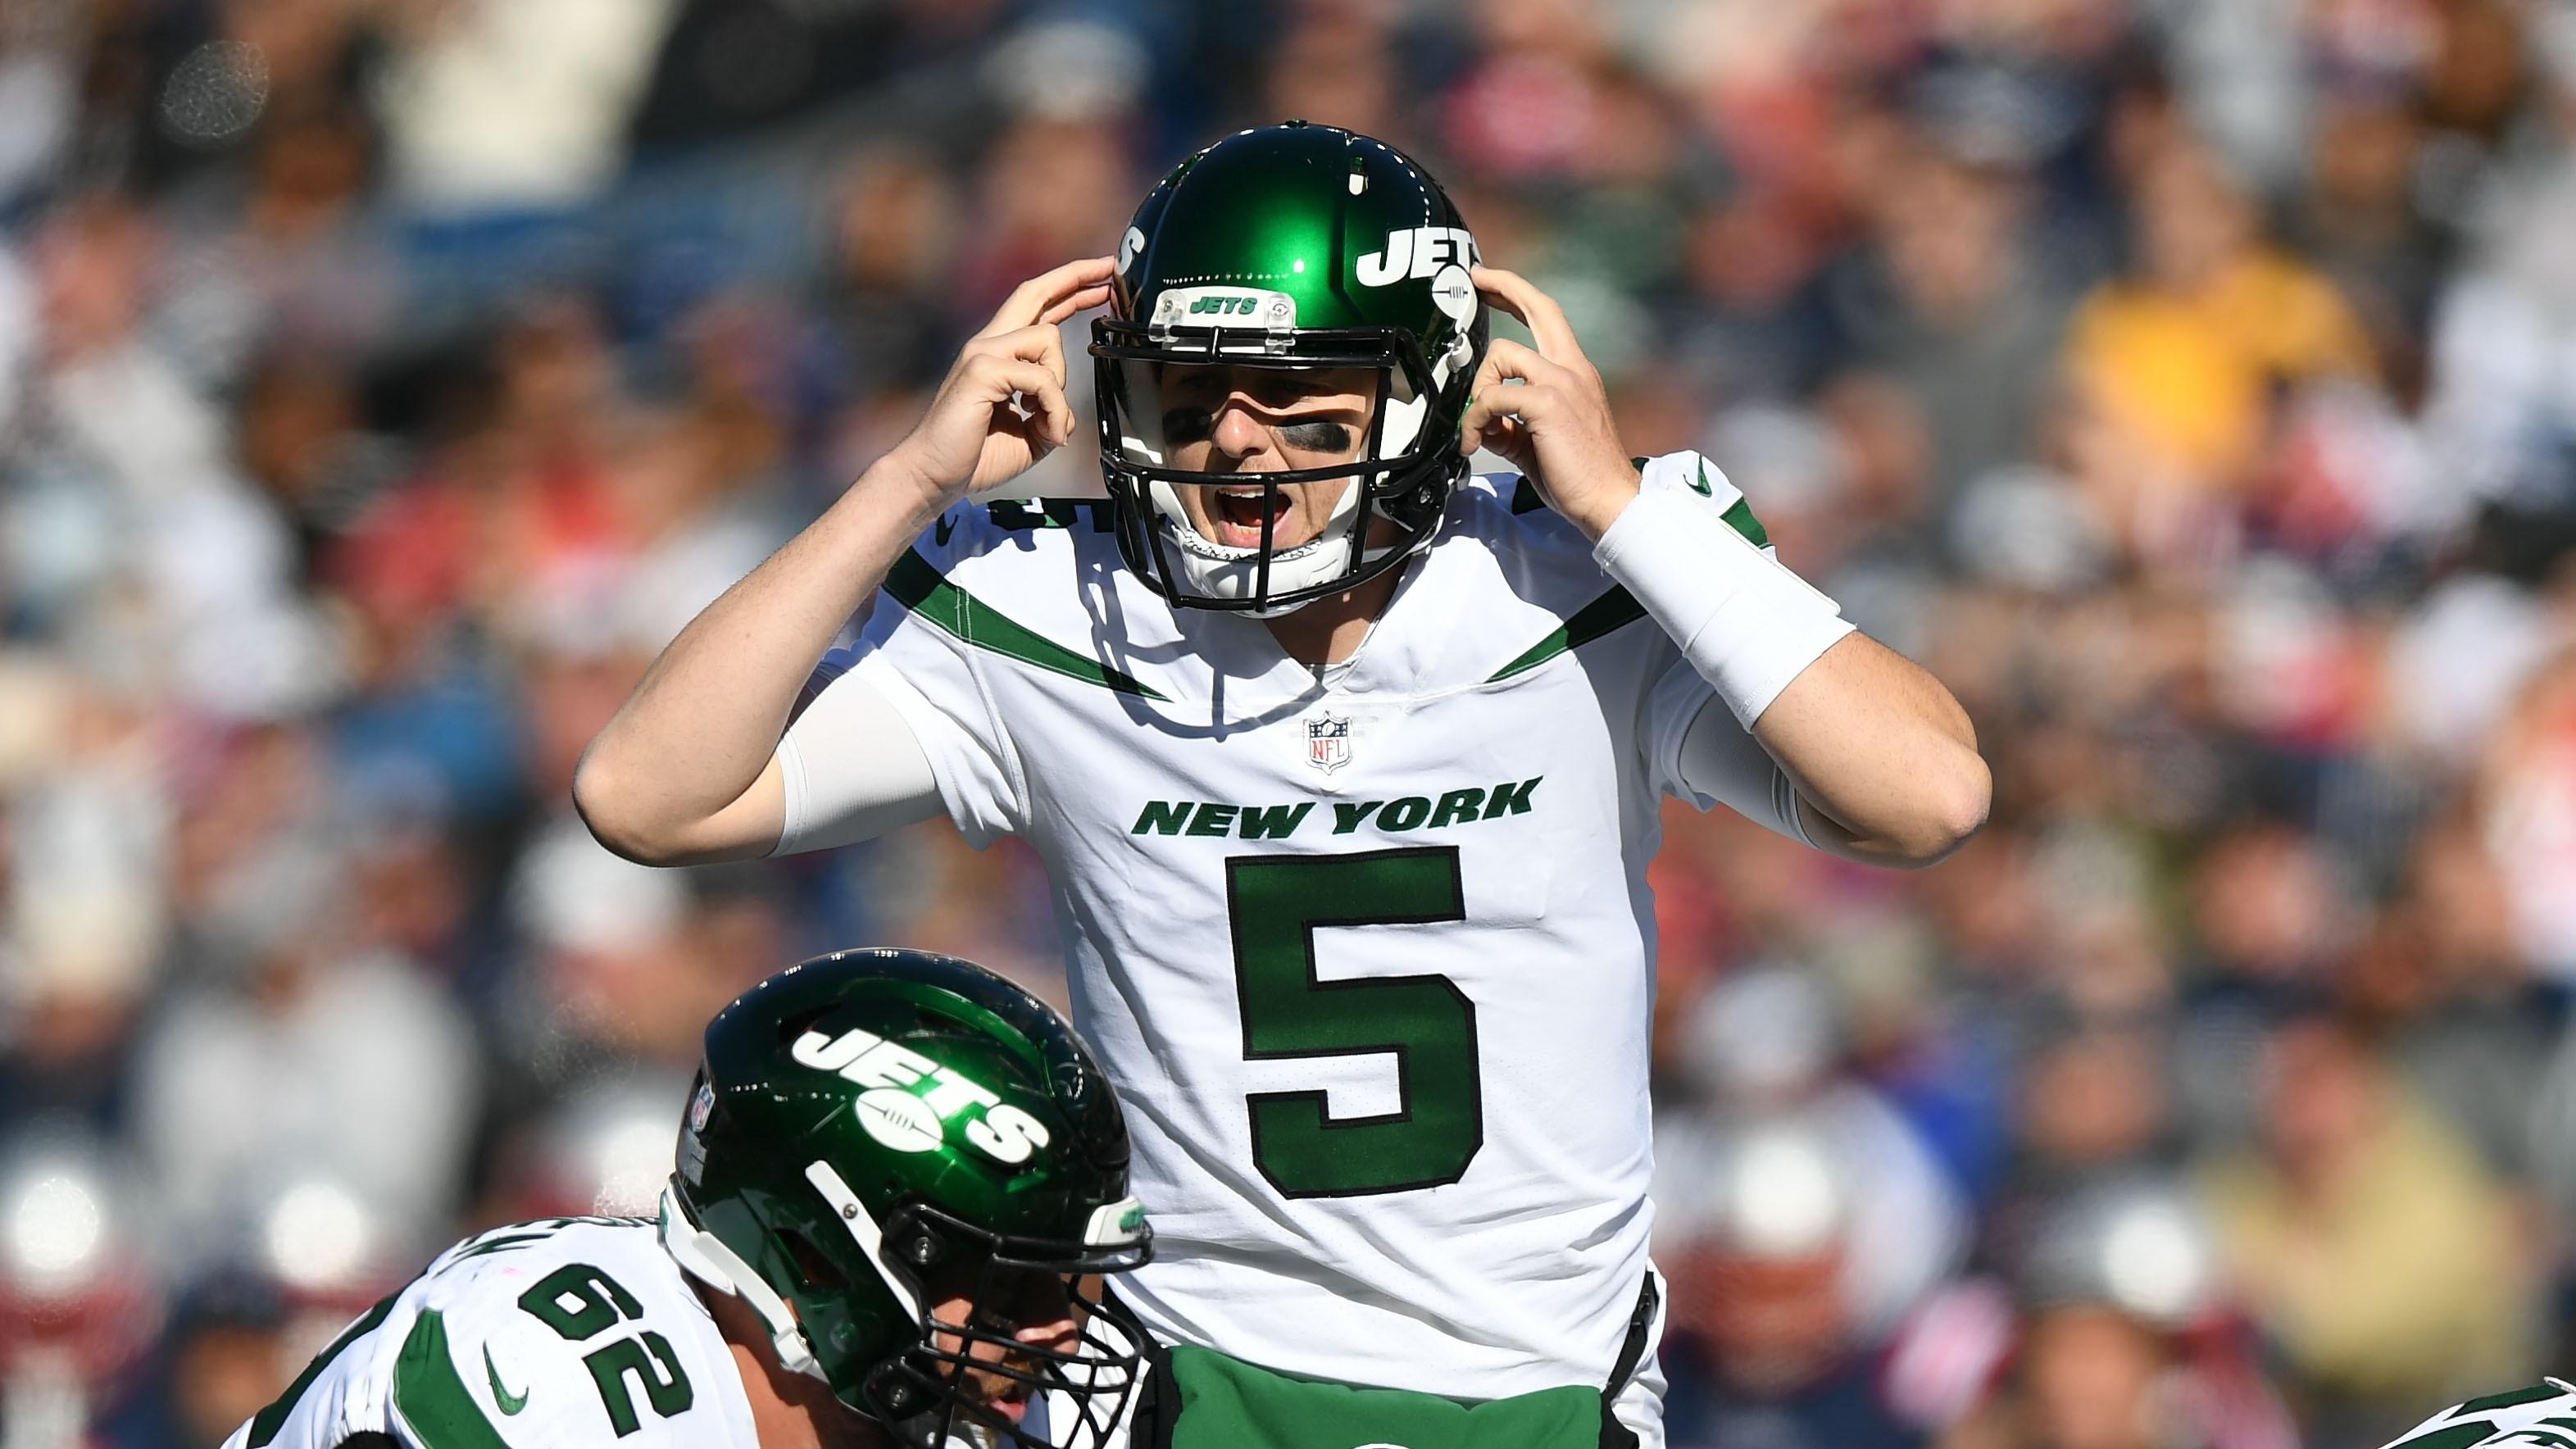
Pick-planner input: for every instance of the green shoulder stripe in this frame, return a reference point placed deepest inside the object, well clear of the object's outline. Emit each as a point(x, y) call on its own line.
point(920, 587)
point(433, 1399)
point(264, 1426)
point(1614, 610)
point(2511, 1398)
point(1617, 608)
point(1738, 515)
point(1740, 518)
point(2450, 1436)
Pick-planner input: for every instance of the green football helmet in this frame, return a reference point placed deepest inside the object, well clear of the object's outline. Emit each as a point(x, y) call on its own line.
point(874, 1133)
point(1293, 247)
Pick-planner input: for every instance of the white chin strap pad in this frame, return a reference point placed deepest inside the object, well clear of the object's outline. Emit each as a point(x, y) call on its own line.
point(1220, 571)
point(704, 1256)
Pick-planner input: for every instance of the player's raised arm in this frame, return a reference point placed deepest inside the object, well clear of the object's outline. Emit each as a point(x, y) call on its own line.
point(685, 770)
point(1881, 754)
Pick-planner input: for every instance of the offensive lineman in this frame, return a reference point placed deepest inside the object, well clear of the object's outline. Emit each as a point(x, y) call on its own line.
point(2542, 1416)
point(1344, 765)
point(889, 1166)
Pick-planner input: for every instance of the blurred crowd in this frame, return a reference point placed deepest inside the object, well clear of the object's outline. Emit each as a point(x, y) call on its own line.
point(2190, 383)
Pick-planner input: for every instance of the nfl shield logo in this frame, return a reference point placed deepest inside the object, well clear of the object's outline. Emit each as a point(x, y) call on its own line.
point(701, 1107)
point(1328, 742)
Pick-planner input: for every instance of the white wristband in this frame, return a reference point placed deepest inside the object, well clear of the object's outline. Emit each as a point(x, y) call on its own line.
point(1748, 625)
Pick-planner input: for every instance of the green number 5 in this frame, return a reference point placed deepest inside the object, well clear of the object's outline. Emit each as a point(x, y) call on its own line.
point(1276, 904)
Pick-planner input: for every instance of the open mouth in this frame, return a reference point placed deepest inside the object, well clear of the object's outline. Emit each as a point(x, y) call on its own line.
point(1002, 1392)
point(1239, 513)
point(990, 1417)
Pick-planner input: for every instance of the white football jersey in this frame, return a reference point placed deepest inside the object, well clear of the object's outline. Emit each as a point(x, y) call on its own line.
point(2542, 1416)
point(560, 1334)
point(1368, 951)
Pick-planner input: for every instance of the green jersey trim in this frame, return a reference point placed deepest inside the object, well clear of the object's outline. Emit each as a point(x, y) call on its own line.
point(1739, 516)
point(2510, 1399)
point(2450, 1436)
point(1227, 1403)
point(264, 1425)
point(919, 586)
point(1616, 609)
point(431, 1396)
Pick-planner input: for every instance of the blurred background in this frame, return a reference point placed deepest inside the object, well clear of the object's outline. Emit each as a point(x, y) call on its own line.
point(2190, 383)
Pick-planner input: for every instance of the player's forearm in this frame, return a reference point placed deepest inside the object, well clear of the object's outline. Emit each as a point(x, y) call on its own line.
point(1882, 755)
point(1880, 750)
point(682, 773)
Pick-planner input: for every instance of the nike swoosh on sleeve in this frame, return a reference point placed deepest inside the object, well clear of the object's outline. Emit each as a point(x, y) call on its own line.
point(510, 1403)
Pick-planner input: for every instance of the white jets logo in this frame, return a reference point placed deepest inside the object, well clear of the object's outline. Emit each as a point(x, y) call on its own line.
point(1004, 1133)
point(1418, 253)
point(1328, 742)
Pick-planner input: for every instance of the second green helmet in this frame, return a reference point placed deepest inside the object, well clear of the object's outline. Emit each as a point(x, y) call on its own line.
point(876, 1134)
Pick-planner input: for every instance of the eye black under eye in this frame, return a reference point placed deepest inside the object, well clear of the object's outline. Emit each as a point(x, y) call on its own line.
point(1317, 437)
point(1187, 425)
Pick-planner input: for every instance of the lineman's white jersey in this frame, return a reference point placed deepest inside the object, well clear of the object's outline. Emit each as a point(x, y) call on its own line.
point(1369, 956)
point(562, 1334)
point(2542, 1416)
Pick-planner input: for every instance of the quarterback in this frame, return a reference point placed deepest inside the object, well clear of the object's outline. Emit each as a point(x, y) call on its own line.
point(889, 1167)
point(1344, 763)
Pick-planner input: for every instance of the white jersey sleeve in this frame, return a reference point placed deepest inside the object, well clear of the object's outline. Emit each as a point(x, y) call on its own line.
point(564, 1334)
point(850, 766)
point(922, 660)
point(1720, 762)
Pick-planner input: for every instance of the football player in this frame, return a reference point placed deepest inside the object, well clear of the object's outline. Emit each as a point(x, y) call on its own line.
point(890, 1171)
point(2542, 1416)
point(1344, 764)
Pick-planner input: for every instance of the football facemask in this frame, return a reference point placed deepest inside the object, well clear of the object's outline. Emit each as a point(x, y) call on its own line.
point(1038, 1325)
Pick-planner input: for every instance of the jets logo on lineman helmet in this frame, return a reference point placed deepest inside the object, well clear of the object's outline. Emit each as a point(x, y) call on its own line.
point(874, 1133)
point(1290, 246)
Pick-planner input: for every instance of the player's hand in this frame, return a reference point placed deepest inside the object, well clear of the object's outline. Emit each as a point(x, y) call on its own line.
point(1546, 411)
point(1003, 407)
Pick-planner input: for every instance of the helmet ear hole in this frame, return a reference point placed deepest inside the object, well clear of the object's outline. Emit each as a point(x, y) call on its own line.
point(817, 1270)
